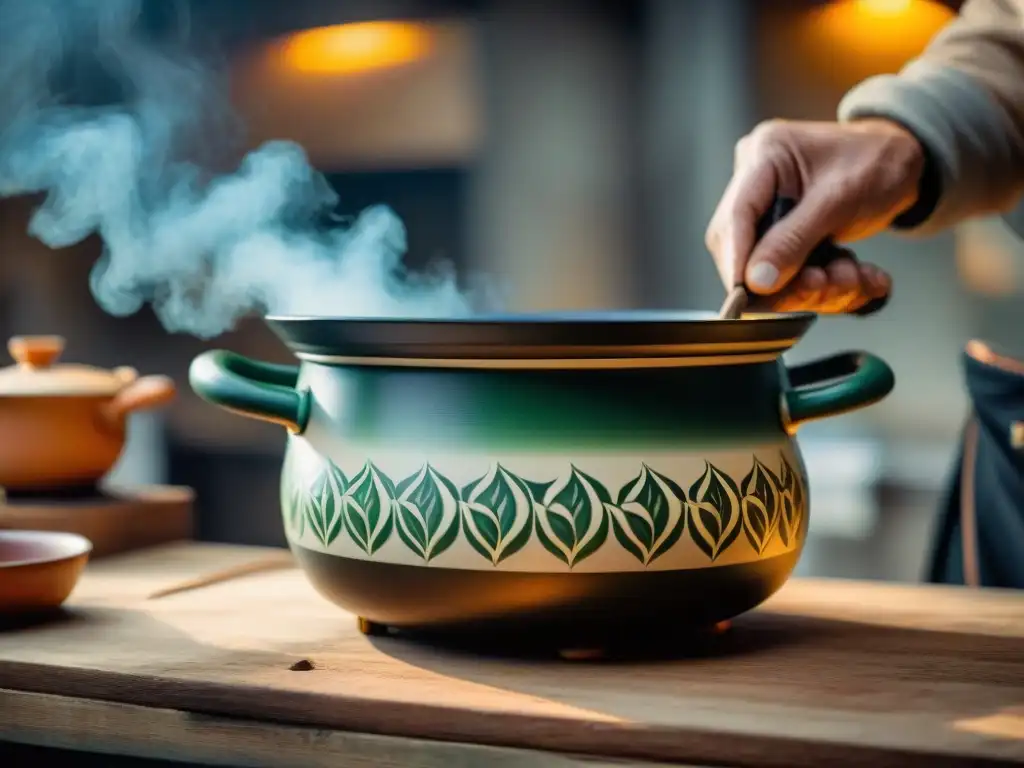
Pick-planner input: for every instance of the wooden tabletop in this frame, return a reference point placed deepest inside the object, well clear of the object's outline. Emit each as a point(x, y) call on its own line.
point(827, 673)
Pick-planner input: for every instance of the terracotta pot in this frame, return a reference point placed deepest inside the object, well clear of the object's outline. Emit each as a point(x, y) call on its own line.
point(63, 426)
point(577, 475)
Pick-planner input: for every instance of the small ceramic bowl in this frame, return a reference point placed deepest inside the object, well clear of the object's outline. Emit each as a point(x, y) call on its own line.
point(38, 569)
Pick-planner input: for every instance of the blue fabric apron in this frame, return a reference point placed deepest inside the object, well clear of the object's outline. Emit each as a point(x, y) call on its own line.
point(980, 536)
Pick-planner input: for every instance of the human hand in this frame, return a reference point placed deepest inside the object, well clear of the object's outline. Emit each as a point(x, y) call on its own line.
point(851, 181)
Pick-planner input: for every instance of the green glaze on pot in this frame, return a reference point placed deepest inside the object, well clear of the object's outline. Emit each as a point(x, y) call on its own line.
point(649, 408)
point(383, 408)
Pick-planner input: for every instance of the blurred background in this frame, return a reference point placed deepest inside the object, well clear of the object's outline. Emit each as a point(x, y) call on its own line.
point(576, 149)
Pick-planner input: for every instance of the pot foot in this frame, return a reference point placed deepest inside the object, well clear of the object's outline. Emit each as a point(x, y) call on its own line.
point(601, 647)
point(371, 628)
point(615, 648)
point(583, 654)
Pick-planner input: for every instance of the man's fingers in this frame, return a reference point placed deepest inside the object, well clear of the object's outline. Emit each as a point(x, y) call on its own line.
point(714, 236)
point(844, 286)
point(780, 254)
point(844, 275)
point(733, 232)
point(813, 279)
point(798, 300)
point(877, 280)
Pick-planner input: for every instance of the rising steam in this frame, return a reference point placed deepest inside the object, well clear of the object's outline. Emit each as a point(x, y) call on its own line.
point(103, 118)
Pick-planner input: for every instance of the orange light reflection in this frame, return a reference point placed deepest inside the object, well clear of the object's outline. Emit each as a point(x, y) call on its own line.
point(854, 39)
point(347, 49)
point(886, 7)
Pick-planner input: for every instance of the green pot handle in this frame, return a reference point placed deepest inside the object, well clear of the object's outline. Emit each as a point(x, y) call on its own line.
point(835, 385)
point(264, 391)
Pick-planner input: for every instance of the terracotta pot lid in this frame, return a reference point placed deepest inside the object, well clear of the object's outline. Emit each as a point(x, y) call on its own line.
point(36, 372)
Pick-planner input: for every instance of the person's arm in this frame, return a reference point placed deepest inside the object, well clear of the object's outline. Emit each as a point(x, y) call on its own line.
point(963, 98)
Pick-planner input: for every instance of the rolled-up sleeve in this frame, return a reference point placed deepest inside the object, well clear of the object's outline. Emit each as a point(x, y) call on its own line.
point(964, 100)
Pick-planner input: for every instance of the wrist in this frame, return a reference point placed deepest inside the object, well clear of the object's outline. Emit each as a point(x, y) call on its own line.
point(918, 166)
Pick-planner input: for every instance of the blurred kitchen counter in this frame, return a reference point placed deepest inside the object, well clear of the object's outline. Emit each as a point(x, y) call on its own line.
point(261, 671)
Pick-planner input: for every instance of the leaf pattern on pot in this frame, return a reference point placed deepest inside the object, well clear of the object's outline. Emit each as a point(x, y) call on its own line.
point(714, 511)
point(293, 498)
point(791, 501)
point(760, 505)
point(296, 506)
point(649, 515)
point(497, 514)
point(427, 512)
point(369, 503)
point(537, 492)
point(324, 508)
point(572, 521)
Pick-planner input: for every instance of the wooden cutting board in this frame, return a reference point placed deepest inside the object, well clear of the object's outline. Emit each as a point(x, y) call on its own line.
point(828, 673)
point(120, 519)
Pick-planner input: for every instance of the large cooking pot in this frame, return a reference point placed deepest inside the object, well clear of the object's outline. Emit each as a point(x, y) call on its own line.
point(565, 473)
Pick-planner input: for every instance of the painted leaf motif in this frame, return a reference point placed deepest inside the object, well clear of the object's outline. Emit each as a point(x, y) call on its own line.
point(497, 514)
point(537, 490)
point(714, 511)
point(323, 510)
point(799, 504)
point(785, 514)
point(368, 504)
point(791, 502)
point(427, 512)
point(337, 482)
point(649, 515)
point(760, 505)
point(295, 504)
point(293, 498)
point(573, 520)
point(336, 478)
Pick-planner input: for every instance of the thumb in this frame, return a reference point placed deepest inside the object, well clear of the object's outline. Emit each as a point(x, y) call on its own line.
point(747, 197)
point(781, 253)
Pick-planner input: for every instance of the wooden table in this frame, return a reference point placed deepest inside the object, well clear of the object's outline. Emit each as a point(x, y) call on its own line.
point(828, 673)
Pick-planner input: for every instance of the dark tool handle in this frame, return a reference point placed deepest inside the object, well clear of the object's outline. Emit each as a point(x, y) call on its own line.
point(823, 254)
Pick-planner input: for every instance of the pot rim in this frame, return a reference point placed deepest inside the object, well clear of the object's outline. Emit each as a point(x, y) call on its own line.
point(657, 336)
point(560, 316)
point(60, 547)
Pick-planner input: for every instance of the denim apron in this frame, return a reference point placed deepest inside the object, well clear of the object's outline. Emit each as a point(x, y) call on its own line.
point(980, 537)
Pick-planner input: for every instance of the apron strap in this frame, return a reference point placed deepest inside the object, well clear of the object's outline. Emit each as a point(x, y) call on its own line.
point(968, 513)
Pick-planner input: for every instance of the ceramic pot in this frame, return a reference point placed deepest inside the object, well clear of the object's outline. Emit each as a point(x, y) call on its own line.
point(63, 426)
point(563, 473)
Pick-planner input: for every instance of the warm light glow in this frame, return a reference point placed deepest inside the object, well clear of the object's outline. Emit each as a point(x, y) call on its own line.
point(988, 256)
point(355, 48)
point(886, 7)
point(1006, 724)
point(853, 39)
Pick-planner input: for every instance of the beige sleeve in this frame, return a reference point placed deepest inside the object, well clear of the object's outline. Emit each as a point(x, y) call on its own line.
point(964, 99)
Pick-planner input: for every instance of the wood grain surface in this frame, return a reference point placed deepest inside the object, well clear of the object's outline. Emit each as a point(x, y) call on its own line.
point(828, 673)
point(87, 725)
